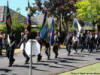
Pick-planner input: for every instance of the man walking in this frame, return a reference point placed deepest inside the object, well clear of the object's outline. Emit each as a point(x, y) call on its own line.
point(10, 53)
point(68, 42)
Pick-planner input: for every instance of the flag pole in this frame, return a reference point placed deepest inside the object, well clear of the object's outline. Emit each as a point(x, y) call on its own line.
point(30, 65)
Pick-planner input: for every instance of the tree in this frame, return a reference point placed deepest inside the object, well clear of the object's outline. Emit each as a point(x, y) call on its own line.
point(88, 10)
point(57, 8)
point(18, 24)
point(3, 27)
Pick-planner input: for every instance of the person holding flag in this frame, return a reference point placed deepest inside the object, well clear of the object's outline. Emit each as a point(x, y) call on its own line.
point(11, 38)
point(48, 40)
point(26, 36)
point(44, 34)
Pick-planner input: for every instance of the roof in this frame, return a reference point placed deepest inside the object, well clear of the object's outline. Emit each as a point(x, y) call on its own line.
point(39, 19)
point(20, 18)
point(1, 13)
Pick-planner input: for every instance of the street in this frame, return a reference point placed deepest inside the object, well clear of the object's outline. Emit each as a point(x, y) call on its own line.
point(53, 66)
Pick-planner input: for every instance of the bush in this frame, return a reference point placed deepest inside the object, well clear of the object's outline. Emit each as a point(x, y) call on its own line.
point(3, 28)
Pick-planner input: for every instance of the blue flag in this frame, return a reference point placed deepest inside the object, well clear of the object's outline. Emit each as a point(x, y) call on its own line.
point(44, 32)
point(44, 21)
point(75, 23)
point(50, 31)
point(44, 28)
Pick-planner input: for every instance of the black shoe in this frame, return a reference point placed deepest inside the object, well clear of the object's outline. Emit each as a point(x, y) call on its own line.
point(10, 65)
point(69, 53)
point(48, 57)
point(0, 53)
point(13, 61)
point(27, 60)
point(39, 58)
point(26, 63)
point(56, 56)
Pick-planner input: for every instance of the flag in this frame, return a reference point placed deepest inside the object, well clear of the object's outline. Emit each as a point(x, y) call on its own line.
point(44, 30)
point(8, 19)
point(45, 16)
point(29, 18)
point(76, 24)
point(50, 31)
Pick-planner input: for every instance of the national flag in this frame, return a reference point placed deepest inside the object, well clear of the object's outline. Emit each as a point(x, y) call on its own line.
point(8, 20)
point(76, 24)
point(29, 18)
point(44, 30)
point(44, 20)
point(50, 31)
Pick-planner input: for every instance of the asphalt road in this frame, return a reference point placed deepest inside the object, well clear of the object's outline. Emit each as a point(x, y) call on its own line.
point(49, 67)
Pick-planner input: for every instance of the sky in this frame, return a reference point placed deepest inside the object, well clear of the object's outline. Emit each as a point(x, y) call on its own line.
point(14, 4)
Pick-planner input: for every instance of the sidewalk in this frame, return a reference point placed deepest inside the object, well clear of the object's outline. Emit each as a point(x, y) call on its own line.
point(16, 51)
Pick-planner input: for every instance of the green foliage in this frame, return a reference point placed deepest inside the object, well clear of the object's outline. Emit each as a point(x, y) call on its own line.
point(18, 25)
point(88, 10)
point(3, 28)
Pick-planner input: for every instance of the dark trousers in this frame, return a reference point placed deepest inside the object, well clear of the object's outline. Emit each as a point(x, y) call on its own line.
point(68, 48)
point(82, 47)
point(75, 46)
point(91, 46)
point(47, 51)
point(26, 56)
point(0, 49)
point(55, 50)
point(10, 55)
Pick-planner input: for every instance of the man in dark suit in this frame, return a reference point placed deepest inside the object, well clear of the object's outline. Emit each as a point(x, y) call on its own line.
point(68, 42)
point(10, 52)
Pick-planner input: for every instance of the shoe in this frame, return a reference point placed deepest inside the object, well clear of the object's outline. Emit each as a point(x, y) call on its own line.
point(39, 58)
point(26, 63)
point(13, 61)
point(56, 56)
point(27, 60)
point(0, 53)
point(10, 65)
point(48, 57)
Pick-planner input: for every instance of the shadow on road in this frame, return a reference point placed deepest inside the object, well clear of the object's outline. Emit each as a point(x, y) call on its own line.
point(27, 66)
point(97, 58)
point(23, 66)
point(5, 70)
point(59, 62)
